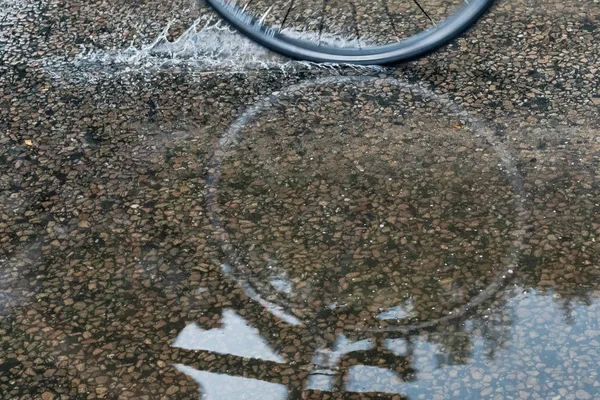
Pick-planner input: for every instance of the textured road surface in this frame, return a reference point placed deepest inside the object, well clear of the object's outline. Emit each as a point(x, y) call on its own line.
point(182, 212)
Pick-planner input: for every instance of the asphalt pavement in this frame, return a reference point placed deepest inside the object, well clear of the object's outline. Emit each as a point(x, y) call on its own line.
point(185, 214)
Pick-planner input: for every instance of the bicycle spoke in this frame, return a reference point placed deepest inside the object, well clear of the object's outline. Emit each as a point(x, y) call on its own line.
point(439, 10)
point(408, 19)
point(354, 15)
point(375, 22)
point(287, 13)
point(338, 24)
point(304, 19)
point(312, 29)
point(322, 20)
point(387, 11)
point(424, 12)
point(262, 10)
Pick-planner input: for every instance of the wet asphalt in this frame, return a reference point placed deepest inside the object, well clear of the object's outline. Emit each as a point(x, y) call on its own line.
point(203, 218)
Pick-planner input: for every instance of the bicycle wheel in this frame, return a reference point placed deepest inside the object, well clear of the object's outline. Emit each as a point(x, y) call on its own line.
point(367, 32)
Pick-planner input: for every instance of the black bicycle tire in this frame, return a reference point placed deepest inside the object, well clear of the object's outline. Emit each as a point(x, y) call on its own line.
point(410, 49)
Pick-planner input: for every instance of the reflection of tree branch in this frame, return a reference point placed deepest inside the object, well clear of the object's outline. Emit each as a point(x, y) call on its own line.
point(456, 347)
point(293, 377)
point(318, 395)
point(457, 314)
point(496, 328)
point(268, 371)
point(380, 357)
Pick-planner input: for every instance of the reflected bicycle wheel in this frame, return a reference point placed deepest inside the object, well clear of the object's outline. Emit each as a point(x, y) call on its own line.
point(364, 32)
point(366, 204)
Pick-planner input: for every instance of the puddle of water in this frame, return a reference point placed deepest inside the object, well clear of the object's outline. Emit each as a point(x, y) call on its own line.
point(394, 238)
point(423, 211)
point(251, 292)
point(397, 312)
point(471, 362)
point(224, 387)
point(344, 346)
point(235, 338)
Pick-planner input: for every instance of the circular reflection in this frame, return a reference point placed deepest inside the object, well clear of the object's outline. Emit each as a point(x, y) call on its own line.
point(368, 202)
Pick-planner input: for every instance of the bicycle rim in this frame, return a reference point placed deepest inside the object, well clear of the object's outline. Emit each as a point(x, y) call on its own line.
point(361, 34)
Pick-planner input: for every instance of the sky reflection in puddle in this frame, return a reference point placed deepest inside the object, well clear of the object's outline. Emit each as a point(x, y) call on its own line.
point(544, 331)
point(225, 387)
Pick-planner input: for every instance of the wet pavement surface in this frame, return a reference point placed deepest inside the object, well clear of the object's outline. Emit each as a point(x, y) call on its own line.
point(183, 214)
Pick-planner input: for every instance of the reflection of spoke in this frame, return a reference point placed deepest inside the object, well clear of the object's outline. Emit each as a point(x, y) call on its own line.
point(424, 12)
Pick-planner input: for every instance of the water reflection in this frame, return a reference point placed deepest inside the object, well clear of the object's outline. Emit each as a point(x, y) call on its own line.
point(388, 252)
point(235, 337)
point(224, 387)
point(391, 221)
point(397, 312)
point(412, 366)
